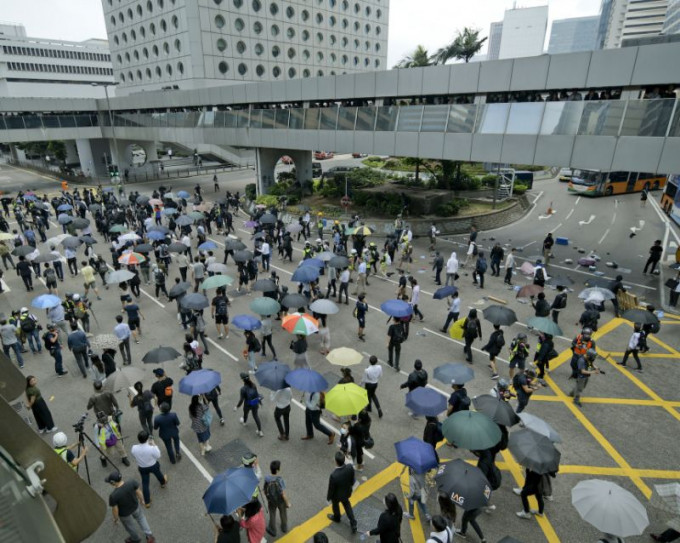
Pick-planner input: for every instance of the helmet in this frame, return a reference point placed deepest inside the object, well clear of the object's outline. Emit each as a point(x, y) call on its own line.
point(76, 297)
point(591, 354)
point(319, 214)
point(587, 331)
point(521, 336)
point(318, 240)
point(307, 243)
point(59, 439)
point(503, 383)
point(24, 310)
point(372, 244)
point(353, 251)
point(336, 222)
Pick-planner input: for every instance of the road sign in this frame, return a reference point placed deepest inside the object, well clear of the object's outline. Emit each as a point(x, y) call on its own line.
point(345, 201)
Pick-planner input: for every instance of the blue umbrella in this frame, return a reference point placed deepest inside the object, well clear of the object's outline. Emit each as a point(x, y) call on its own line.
point(159, 228)
point(444, 292)
point(207, 245)
point(63, 218)
point(425, 401)
point(46, 301)
point(396, 308)
point(312, 262)
point(305, 274)
point(454, 372)
point(230, 490)
point(170, 211)
point(272, 375)
point(246, 322)
point(306, 380)
point(30, 197)
point(155, 235)
point(108, 189)
point(199, 382)
point(416, 454)
point(183, 194)
point(65, 207)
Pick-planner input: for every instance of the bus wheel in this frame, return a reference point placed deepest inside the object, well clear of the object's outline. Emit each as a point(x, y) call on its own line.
point(656, 185)
point(609, 191)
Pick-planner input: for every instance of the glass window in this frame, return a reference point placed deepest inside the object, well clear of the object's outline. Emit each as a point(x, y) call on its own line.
point(345, 5)
point(275, 30)
point(242, 69)
point(292, 72)
point(290, 32)
point(175, 21)
point(219, 21)
point(305, 35)
point(139, 10)
point(164, 25)
point(305, 54)
point(367, 29)
point(561, 118)
point(276, 72)
point(306, 73)
point(152, 28)
point(166, 48)
point(492, 118)
point(333, 58)
point(345, 23)
point(257, 27)
point(268, 118)
point(357, 8)
point(409, 118)
point(378, 13)
point(145, 52)
point(345, 41)
point(333, 39)
point(276, 51)
point(273, 8)
point(346, 118)
point(281, 118)
point(601, 118)
point(312, 118)
point(290, 12)
point(223, 67)
point(149, 6)
point(291, 53)
point(525, 118)
point(257, 5)
point(221, 44)
point(259, 49)
point(332, 20)
point(329, 118)
point(357, 25)
point(647, 118)
point(319, 37)
point(319, 56)
point(241, 47)
point(259, 70)
point(133, 34)
point(239, 24)
point(365, 118)
point(159, 72)
point(368, 11)
point(136, 54)
point(237, 3)
point(377, 62)
point(377, 31)
point(344, 59)
point(142, 31)
point(297, 118)
point(160, 3)
point(155, 50)
point(319, 18)
point(386, 118)
point(178, 45)
point(148, 73)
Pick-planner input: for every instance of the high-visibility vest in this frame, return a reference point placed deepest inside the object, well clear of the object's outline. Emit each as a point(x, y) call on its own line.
point(581, 348)
point(62, 451)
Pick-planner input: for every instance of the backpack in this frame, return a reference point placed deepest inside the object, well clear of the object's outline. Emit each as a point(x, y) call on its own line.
point(470, 327)
point(562, 301)
point(500, 341)
point(79, 312)
point(27, 325)
point(159, 276)
point(465, 403)
point(481, 266)
point(46, 342)
point(540, 275)
point(274, 492)
point(257, 345)
point(421, 378)
point(50, 275)
point(221, 306)
point(322, 400)
point(474, 249)
point(399, 335)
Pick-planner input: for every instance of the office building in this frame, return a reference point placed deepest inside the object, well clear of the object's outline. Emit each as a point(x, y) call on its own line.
point(158, 44)
point(524, 31)
point(495, 34)
point(35, 67)
point(572, 35)
point(671, 24)
point(644, 18)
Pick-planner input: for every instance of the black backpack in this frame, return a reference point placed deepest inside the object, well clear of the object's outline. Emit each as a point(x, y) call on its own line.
point(221, 306)
point(470, 327)
point(27, 325)
point(398, 334)
point(562, 301)
point(50, 275)
point(273, 491)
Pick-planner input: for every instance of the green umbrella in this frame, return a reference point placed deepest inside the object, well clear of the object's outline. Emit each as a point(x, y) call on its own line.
point(118, 228)
point(265, 306)
point(471, 430)
point(198, 215)
point(216, 281)
point(545, 325)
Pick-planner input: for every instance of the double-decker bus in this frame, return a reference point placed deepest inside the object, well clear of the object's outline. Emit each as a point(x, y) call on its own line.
point(670, 201)
point(596, 183)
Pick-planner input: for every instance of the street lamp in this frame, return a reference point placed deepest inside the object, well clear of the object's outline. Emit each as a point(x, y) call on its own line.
point(108, 106)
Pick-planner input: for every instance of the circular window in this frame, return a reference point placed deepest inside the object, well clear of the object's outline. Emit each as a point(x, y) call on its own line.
point(319, 56)
point(160, 4)
point(276, 51)
point(377, 31)
point(305, 73)
point(122, 77)
point(116, 40)
point(378, 13)
point(344, 41)
point(166, 48)
point(319, 18)
point(142, 31)
point(332, 20)
point(145, 52)
point(121, 18)
point(239, 25)
point(219, 21)
point(355, 60)
point(305, 14)
point(130, 77)
point(221, 44)
point(164, 25)
point(139, 74)
point(345, 5)
point(149, 6)
point(377, 47)
point(257, 5)
point(257, 27)
point(241, 47)
point(273, 8)
point(345, 23)
point(305, 35)
point(275, 30)
point(259, 70)
point(291, 53)
point(333, 39)
point(377, 62)
point(136, 54)
point(331, 3)
point(223, 67)
point(119, 59)
point(159, 72)
point(290, 32)
point(259, 49)
point(155, 50)
point(319, 37)
point(319, 73)
point(305, 54)
point(242, 69)
point(152, 29)
point(168, 69)
point(237, 3)
point(292, 72)
point(368, 11)
point(218, 2)
point(175, 21)
point(127, 57)
point(367, 61)
point(356, 43)
point(178, 46)
point(133, 35)
point(129, 13)
point(290, 12)
point(344, 59)
point(356, 25)
point(148, 73)
point(367, 45)
point(276, 71)
point(124, 36)
point(367, 28)
point(357, 8)
point(139, 10)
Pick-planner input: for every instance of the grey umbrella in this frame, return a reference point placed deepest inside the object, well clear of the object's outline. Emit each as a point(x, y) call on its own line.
point(560, 281)
point(144, 248)
point(640, 315)
point(46, 257)
point(294, 301)
point(63, 218)
point(538, 425)
point(264, 285)
point(177, 247)
point(80, 223)
point(23, 250)
point(324, 307)
point(267, 218)
point(88, 240)
point(160, 354)
point(119, 276)
point(497, 410)
point(216, 267)
point(243, 256)
point(194, 300)
point(72, 242)
point(338, 262)
point(234, 245)
point(294, 228)
point(497, 314)
point(94, 208)
point(325, 256)
point(534, 451)
point(184, 220)
point(178, 289)
point(142, 199)
point(124, 378)
point(161, 228)
point(454, 372)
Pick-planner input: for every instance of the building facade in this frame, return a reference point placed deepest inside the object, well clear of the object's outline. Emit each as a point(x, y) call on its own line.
point(188, 44)
point(495, 35)
point(524, 31)
point(573, 35)
point(671, 24)
point(644, 18)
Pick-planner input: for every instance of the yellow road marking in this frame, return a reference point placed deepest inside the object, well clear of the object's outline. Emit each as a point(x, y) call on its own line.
point(601, 332)
point(610, 401)
point(416, 524)
point(618, 472)
point(645, 355)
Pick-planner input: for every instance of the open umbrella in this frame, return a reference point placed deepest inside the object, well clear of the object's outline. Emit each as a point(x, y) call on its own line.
point(234, 245)
point(265, 306)
point(640, 315)
point(64, 219)
point(294, 228)
point(304, 274)
point(444, 292)
point(144, 248)
point(177, 247)
point(123, 378)
point(230, 490)
point(346, 399)
point(338, 262)
point(196, 215)
point(170, 211)
point(497, 410)
point(267, 218)
point(117, 229)
point(156, 202)
point(160, 354)
point(325, 256)
point(243, 256)
point(529, 291)
point(306, 380)
point(362, 231)
point(200, 382)
point(5, 236)
point(195, 300)
point(159, 228)
point(46, 257)
point(560, 281)
point(324, 307)
point(527, 268)
point(497, 314)
point(104, 341)
point(216, 267)
point(425, 401)
point(80, 223)
point(46, 301)
point(416, 454)
point(465, 485)
point(454, 373)
point(396, 308)
point(344, 356)
point(596, 292)
point(246, 322)
point(317, 262)
point(471, 430)
point(87, 240)
point(65, 207)
point(184, 220)
point(272, 375)
point(538, 425)
point(250, 224)
point(56, 240)
point(129, 236)
point(207, 245)
point(545, 325)
point(609, 508)
point(131, 258)
point(178, 289)
point(183, 194)
point(300, 323)
point(216, 281)
point(71, 242)
point(294, 301)
point(534, 451)
point(155, 235)
point(119, 276)
point(264, 285)
point(143, 199)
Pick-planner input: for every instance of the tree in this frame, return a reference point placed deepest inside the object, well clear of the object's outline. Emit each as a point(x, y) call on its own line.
point(419, 57)
point(464, 46)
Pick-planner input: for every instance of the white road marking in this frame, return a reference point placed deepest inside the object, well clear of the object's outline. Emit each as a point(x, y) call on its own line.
point(606, 233)
point(186, 452)
point(577, 201)
point(222, 349)
point(569, 214)
point(557, 228)
point(141, 290)
point(581, 223)
point(5, 288)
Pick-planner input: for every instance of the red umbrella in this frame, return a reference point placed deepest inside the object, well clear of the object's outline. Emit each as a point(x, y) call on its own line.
point(529, 291)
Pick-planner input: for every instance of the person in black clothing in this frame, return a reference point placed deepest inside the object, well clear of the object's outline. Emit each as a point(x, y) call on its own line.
point(417, 378)
point(494, 347)
point(459, 400)
point(167, 424)
point(360, 312)
point(395, 337)
point(228, 532)
point(559, 303)
point(616, 287)
point(667, 536)
point(250, 400)
point(437, 267)
point(389, 522)
point(161, 387)
point(480, 270)
point(361, 431)
point(541, 306)
point(531, 483)
point(544, 353)
point(25, 271)
point(496, 257)
point(213, 397)
point(340, 485)
point(432, 433)
point(655, 253)
point(472, 329)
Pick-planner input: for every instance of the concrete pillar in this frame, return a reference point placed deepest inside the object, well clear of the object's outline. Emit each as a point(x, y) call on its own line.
point(266, 160)
point(91, 154)
point(71, 152)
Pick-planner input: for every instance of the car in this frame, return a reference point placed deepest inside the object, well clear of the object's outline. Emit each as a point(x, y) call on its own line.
point(323, 155)
point(316, 169)
point(359, 155)
point(286, 159)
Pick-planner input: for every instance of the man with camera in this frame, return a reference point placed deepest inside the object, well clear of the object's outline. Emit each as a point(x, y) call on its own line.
point(63, 449)
point(525, 383)
point(584, 369)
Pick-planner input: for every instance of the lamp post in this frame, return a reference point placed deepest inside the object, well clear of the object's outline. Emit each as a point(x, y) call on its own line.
point(113, 127)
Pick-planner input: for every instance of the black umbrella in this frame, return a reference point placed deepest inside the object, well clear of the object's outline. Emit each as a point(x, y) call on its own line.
point(464, 484)
point(640, 315)
point(534, 451)
point(601, 282)
point(142, 200)
point(560, 281)
point(194, 300)
point(144, 248)
point(177, 247)
point(497, 410)
point(72, 242)
point(178, 289)
point(267, 218)
point(94, 208)
point(497, 314)
point(80, 223)
point(88, 240)
point(294, 301)
point(234, 245)
point(338, 262)
point(243, 256)
point(23, 250)
point(46, 257)
point(259, 235)
point(264, 285)
point(160, 354)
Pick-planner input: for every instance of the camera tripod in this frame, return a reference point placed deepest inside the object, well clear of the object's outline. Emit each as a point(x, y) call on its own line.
point(82, 436)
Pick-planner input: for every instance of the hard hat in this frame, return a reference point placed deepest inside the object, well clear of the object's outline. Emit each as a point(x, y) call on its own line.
point(521, 336)
point(307, 243)
point(24, 310)
point(318, 240)
point(76, 297)
point(353, 251)
point(587, 331)
point(319, 214)
point(336, 222)
point(372, 244)
point(60, 439)
point(503, 383)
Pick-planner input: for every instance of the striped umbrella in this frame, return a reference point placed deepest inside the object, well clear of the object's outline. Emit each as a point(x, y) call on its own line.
point(300, 323)
point(131, 258)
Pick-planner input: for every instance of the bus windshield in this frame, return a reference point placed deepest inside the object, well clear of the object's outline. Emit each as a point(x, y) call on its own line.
point(585, 177)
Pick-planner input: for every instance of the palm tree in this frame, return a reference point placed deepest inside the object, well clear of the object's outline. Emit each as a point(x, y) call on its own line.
point(419, 57)
point(464, 46)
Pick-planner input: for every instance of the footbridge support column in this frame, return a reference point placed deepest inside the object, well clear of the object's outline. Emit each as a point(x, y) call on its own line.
point(266, 159)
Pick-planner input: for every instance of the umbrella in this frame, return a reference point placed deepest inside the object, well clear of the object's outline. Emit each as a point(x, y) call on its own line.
point(169, 210)
point(243, 256)
point(65, 207)
point(362, 231)
point(46, 257)
point(216, 281)
point(199, 382)
point(527, 268)
point(234, 245)
point(195, 300)
point(325, 256)
point(416, 454)
point(596, 292)
point(178, 289)
point(466, 485)
point(294, 301)
point(346, 399)
point(471, 430)
point(129, 236)
point(344, 356)
point(155, 235)
point(534, 451)
point(250, 224)
point(545, 325)
point(259, 235)
point(4, 236)
point(183, 194)
point(131, 258)
point(338, 262)
point(264, 285)
point(300, 323)
point(538, 425)
point(444, 292)
point(46, 301)
point(169, 196)
point(497, 314)
point(72, 242)
point(640, 315)
point(56, 240)
point(272, 375)
point(560, 281)
point(184, 220)
point(396, 308)
point(246, 322)
point(529, 291)
point(265, 306)
point(64, 219)
point(324, 307)
point(230, 490)
point(94, 208)
point(304, 274)
point(207, 245)
point(267, 218)
point(123, 378)
point(454, 372)
point(177, 247)
point(144, 248)
point(294, 228)
point(196, 215)
point(306, 380)
point(497, 410)
point(104, 341)
point(156, 202)
point(143, 199)
point(119, 276)
point(609, 508)
point(425, 401)
point(216, 267)
point(312, 262)
point(160, 354)
point(87, 240)
point(80, 223)
point(117, 228)
point(24, 250)
point(601, 282)
point(159, 228)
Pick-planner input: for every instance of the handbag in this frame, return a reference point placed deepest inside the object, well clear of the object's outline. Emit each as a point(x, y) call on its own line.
point(672, 284)
point(368, 442)
point(206, 419)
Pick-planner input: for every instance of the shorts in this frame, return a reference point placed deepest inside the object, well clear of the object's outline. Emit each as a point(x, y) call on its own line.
point(134, 324)
point(51, 284)
point(91, 284)
point(362, 321)
point(125, 298)
point(518, 362)
point(221, 319)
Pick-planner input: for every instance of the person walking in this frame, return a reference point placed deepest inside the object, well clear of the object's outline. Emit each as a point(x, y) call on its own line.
point(548, 243)
point(108, 436)
point(253, 346)
point(344, 286)
point(25, 271)
point(340, 485)
point(282, 399)
point(53, 346)
point(372, 375)
point(417, 493)
point(78, 344)
point(277, 499)
point(133, 314)
point(30, 327)
point(441, 531)
point(213, 397)
point(360, 311)
point(143, 401)
point(200, 416)
point(396, 335)
point(220, 313)
point(496, 257)
point(162, 388)
point(509, 267)
point(451, 269)
point(584, 369)
point(525, 385)
point(415, 298)
point(36, 403)
point(531, 484)
point(633, 347)
point(674, 286)
point(655, 252)
point(167, 424)
point(559, 303)
point(417, 378)
point(146, 453)
point(252, 521)
point(8, 336)
point(124, 501)
point(494, 347)
point(544, 353)
point(541, 306)
point(313, 417)
point(459, 399)
point(299, 347)
point(519, 351)
point(472, 329)
point(437, 267)
point(480, 270)
point(123, 333)
point(250, 399)
point(89, 282)
point(389, 522)
point(453, 313)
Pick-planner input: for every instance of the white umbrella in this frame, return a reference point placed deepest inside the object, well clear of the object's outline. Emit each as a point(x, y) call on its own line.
point(596, 293)
point(130, 236)
point(216, 267)
point(56, 240)
point(538, 425)
point(124, 378)
point(344, 356)
point(119, 276)
point(324, 307)
point(609, 508)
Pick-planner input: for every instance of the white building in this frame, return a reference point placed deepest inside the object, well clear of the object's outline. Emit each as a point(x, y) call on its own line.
point(495, 35)
point(630, 19)
point(157, 44)
point(572, 35)
point(524, 31)
point(34, 67)
point(671, 24)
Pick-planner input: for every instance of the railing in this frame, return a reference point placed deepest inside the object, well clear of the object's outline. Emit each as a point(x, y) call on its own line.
point(648, 118)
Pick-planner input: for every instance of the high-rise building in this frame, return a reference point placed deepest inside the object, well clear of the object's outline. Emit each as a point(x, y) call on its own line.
point(572, 35)
point(603, 23)
point(41, 68)
point(671, 24)
point(495, 35)
point(198, 43)
point(524, 31)
point(644, 18)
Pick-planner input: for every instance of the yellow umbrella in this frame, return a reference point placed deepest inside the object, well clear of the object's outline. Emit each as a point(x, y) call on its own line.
point(4, 236)
point(344, 356)
point(456, 330)
point(346, 399)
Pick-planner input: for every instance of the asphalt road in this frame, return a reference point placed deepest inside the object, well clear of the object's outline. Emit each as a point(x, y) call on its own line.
point(626, 431)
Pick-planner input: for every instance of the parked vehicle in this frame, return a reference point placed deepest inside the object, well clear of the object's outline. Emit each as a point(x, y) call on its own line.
point(323, 155)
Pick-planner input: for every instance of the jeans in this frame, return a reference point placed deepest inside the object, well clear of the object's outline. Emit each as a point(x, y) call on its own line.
point(145, 419)
point(422, 506)
point(450, 278)
point(254, 409)
point(265, 261)
point(279, 414)
point(579, 386)
point(471, 518)
point(58, 361)
point(145, 473)
point(495, 268)
point(438, 276)
point(129, 524)
point(72, 266)
point(370, 392)
point(313, 420)
point(59, 270)
point(393, 354)
point(343, 288)
point(206, 350)
point(214, 400)
point(28, 281)
point(124, 347)
point(468, 348)
point(173, 452)
point(33, 339)
point(81, 360)
point(522, 402)
point(16, 347)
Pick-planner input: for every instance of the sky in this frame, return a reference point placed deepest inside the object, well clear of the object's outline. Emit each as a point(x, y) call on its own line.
point(432, 23)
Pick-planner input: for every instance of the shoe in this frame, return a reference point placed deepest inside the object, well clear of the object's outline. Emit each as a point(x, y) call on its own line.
point(242, 421)
point(53, 429)
point(443, 330)
point(305, 438)
point(428, 517)
point(410, 517)
point(273, 534)
point(332, 517)
point(42, 431)
point(331, 439)
point(354, 529)
point(380, 413)
point(578, 403)
point(260, 433)
point(281, 438)
point(360, 467)
point(494, 376)
point(221, 422)
point(150, 539)
point(639, 370)
point(178, 456)
point(548, 498)
point(489, 509)
point(126, 461)
point(220, 336)
point(523, 514)
point(535, 512)
point(517, 491)
point(147, 505)
point(165, 479)
point(620, 363)
point(461, 535)
point(62, 374)
point(208, 448)
point(655, 537)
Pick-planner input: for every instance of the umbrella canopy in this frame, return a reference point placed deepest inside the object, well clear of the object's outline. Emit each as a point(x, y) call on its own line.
point(306, 380)
point(325, 256)
point(264, 285)
point(230, 490)
point(304, 274)
point(156, 202)
point(338, 262)
point(396, 308)
point(444, 292)
point(143, 199)
point(243, 256)
point(601, 282)
point(300, 323)
point(425, 401)
point(272, 375)
point(596, 292)
point(416, 454)
point(324, 307)
point(640, 315)
point(207, 245)
point(200, 382)
point(497, 410)
point(344, 356)
point(63, 218)
point(609, 508)
point(65, 207)
point(117, 229)
point(246, 322)
point(538, 425)
point(87, 240)
point(216, 281)
point(497, 314)
point(177, 247)
point(529, 291)
point(216, 267)
point(466, 485)
point(265, 306)
point(361, 231)
point(294, 301)
point(56, 240)
point(46, 257)
point(527, 268)
point(250, 224)
point(196, 215)
point(195, 300)
point(94, 208)
point(294, 228)
point(184, 220)
point(71, 242)
point(267, 218)
point(471, 430)
point(80, 223)
point(124, 378)
point(144, 248)
point(183, 194)
point(119, 276)
point(178, 289)
point(346, 399)
point(104, 341)
point(131, 258)
point(560, 281)
point(454, 373)
point(312, 262)
point(534, 451)
point(4, 236)
point(159, 228)
point(46, 301)
point(155, 235)
point(545, 325)
point(235, 245)
point(169, 210)
point(160, 354)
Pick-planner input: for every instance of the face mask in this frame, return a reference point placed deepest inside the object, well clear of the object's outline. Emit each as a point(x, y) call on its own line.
point(343, 431)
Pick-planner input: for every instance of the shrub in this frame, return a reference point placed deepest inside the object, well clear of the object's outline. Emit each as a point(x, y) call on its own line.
point(392, 164)
point(251, 191)
point(269, 200)
point(451, 208)
point(373, 162)
point(519, 189)
point(280, 189)
point(489, 180)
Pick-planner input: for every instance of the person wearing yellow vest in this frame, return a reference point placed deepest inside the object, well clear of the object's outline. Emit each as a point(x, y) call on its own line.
point(108, 436)
point(63, 449)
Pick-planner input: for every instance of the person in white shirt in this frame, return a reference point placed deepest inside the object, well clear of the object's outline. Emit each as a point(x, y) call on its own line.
point(451, 269)
point(454, 312)
point(282, 399)
point(441, 533)
point(344, 286)
point(633, 347)
point(266, 252)
point(186, 241)
point(415, 297)
point(361, 277)
point(146, 453)
point(372, 375)
point(122, 332)
point(509, 266)
point(71, 261)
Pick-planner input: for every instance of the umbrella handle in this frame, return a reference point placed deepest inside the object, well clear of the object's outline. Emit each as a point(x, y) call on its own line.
point(213, 521)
